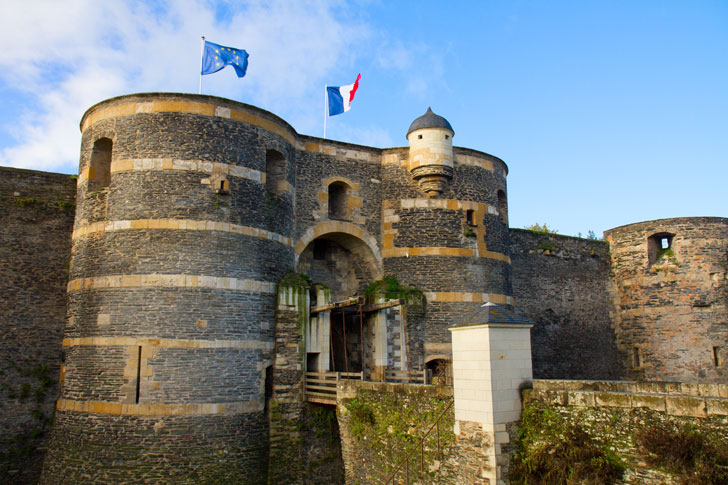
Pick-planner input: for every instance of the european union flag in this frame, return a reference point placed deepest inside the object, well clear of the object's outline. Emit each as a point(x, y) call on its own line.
point(216, 57)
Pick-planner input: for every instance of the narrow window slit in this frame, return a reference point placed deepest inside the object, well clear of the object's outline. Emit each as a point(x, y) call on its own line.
point(139, 373)
point(716, 356)
point(636, 357)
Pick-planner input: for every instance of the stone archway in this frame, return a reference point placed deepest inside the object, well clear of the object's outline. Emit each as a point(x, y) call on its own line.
point(340, 255)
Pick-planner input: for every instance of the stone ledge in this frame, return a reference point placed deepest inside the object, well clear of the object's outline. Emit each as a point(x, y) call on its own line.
point(674, 405)
point(167, 343)
point(179, 225)
point(100, 407)
point(170, 281)
point(671, 388)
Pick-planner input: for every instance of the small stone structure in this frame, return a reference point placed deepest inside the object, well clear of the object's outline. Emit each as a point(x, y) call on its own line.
point(491, 364)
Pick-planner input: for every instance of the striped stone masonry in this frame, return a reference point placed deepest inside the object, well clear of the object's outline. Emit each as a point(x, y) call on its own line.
point(195, 409)
point(171, 281)
point(179, 225)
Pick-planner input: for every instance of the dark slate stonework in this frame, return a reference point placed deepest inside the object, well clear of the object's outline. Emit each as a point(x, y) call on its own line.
point(313, 168)
point(452, 273)
point(439, 228)
point(36, 217)
point(561, 283)
point(212, 253)
point(95, 373)
point(169, 449)
point(172, 313)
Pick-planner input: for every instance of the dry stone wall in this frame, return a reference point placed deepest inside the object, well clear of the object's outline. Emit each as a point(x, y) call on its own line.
point(614, 413)
point(36, 219)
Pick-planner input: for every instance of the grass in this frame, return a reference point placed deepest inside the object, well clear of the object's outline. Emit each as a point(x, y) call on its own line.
point(695, 457)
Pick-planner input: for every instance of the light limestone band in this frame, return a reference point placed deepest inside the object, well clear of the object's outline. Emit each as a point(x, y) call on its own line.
point(462, 296)
point(167, 343)
point(171, 281)
point(180, 225)
point(435, 251)
point(160, 164)
point(100, 407)
point(189, 107)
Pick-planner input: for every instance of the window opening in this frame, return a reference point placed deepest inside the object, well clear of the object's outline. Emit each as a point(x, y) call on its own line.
point(470, 217)
point(659, 246)
point(224, 187)
point(139, 374)
point(636, 357)
point(312, 362)
point(338, 200)
point(268, 384)
point(100, 164)
point(716, 356)
point(275, 172)
point(503, 207)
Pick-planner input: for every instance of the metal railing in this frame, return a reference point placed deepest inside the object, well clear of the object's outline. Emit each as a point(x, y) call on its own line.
point(421, 447)
point(320, 387)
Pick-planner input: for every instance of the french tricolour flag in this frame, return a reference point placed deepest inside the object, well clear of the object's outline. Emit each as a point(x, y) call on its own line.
point(340, 97)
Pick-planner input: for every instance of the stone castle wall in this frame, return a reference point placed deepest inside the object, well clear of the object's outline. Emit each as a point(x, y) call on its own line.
point(172, 294)
point(205, 203)
point(561, 283)
point(671, 314)
point(430, 243)
point(36, 219)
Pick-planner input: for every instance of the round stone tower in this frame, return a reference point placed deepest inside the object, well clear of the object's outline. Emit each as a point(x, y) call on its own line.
point(445, 231)
point(183, 227)
point(670, 290)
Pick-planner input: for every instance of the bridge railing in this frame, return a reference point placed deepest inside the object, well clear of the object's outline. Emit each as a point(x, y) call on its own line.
point(320, 387)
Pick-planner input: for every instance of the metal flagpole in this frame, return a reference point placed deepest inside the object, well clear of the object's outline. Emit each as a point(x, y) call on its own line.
point(202, 54)
point(326, 101)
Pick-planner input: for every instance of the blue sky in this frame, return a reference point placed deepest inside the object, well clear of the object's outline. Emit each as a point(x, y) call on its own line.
point(606, 112)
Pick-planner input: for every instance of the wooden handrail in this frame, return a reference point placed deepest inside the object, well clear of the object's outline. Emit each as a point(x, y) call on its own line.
point(421, 446)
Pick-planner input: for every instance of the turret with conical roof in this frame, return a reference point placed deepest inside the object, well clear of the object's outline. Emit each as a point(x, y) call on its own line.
point(430, 154)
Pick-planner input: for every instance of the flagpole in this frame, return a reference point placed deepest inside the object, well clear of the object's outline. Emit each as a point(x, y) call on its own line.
point(202, 53)
point(326, 98)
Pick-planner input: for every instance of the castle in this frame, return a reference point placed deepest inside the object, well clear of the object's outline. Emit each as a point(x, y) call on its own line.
point(191, 209)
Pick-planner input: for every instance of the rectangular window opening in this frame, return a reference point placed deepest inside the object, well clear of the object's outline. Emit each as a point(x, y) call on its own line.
point(139, 374)
point(470, 217)
point(716, 356)
point(636, 357)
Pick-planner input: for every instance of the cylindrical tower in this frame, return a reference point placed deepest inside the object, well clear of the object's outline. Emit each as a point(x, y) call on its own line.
point(670, 293)
point(430, 152)
point(183, 227)
point(445, 231)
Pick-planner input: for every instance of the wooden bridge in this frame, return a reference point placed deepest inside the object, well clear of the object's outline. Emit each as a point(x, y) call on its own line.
point(320, 387)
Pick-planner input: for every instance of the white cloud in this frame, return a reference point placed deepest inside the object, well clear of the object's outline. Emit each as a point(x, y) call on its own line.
point(66, 56)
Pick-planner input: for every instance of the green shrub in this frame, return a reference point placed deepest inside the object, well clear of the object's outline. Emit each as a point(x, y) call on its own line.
point(541, 229)
point(28, 201)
